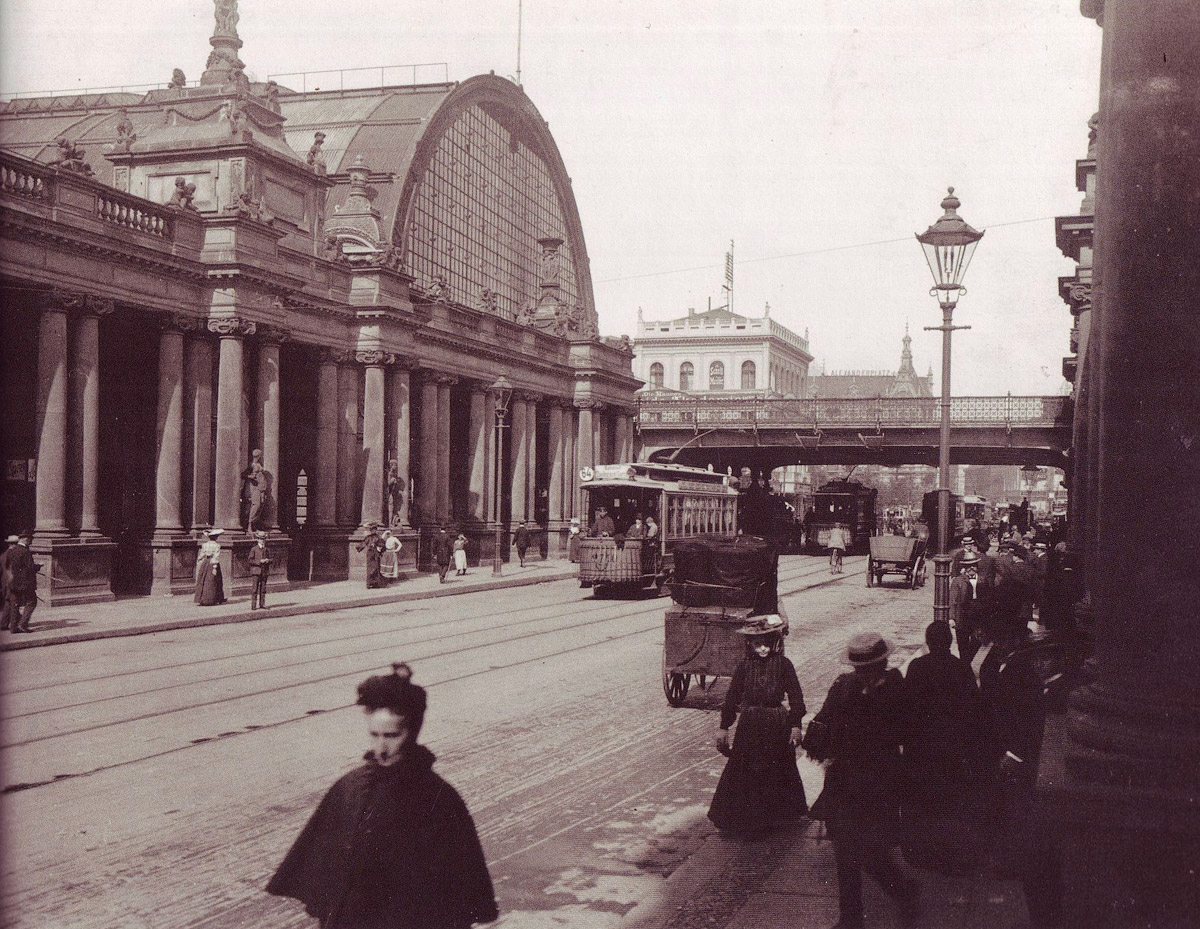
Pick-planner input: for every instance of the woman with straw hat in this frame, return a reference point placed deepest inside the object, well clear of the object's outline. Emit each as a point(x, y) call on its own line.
point(210, 588)
point(760, 788)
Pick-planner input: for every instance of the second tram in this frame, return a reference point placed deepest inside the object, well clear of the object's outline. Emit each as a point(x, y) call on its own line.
point(682, 502)
point(850, 504)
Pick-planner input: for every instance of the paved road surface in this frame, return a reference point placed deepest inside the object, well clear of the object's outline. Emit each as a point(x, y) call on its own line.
point(157, 781)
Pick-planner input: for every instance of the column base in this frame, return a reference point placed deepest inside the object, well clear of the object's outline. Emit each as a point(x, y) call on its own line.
point(1129, 852)
point(171, 556)
point(76, 570)
point(319, 553)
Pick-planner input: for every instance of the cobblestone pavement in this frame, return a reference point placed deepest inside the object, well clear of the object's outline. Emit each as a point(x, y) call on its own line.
point(164, 775)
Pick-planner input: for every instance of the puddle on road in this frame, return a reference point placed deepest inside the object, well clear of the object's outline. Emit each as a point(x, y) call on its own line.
point(574, 916)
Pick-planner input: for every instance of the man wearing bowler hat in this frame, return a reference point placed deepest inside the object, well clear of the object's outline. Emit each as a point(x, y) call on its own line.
point(260, 569)
point(19, 572)
point(867, 716)
point(970, 606)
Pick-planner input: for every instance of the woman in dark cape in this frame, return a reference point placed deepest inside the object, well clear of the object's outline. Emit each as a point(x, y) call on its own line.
point(760, 788)
point(392, 845)
point(372, 546)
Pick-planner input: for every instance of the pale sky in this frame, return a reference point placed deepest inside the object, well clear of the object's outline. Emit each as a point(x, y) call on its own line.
point(788, 126)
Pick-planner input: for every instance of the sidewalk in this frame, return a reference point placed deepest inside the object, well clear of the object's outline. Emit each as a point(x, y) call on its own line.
point(141, 615)
point(789, 881)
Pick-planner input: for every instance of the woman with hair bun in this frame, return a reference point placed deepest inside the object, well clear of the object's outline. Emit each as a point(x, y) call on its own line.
point(391, 845)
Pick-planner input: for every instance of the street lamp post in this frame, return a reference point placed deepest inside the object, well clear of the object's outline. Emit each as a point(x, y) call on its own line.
point(501, 392)
point(948, 245)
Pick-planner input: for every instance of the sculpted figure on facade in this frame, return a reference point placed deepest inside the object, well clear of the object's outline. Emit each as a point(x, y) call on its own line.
point(439, 290)
point(227, 17)
point(69, 157)
point(489, 301)
point(255, 493)
point(271, 93)
point(316, 157)
point(182, 196)
point(125, 134)
point(395, 492)
point(178, 80)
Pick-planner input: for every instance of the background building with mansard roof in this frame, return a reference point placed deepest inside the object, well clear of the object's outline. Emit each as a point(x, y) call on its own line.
point(844, 385)
point(233, 304)
point(719, 350)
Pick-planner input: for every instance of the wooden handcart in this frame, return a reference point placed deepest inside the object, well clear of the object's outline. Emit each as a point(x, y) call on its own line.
point(896, 554)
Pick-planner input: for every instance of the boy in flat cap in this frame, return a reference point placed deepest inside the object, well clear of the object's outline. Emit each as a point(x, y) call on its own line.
point(391, 846)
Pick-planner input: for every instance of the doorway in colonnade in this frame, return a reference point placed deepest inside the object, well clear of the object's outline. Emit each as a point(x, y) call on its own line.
point(18, 418)
point(297, 452)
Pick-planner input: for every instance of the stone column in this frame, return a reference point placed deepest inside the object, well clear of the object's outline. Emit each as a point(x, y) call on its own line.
point(600, 433)
point(349, 505)
point(373, 435)
point(168, 472)
point(584, 449)
point(267, 398)
point(443, 447)
point(519, 456)
point(1121, 773)
point(86, 402)
point(199, 398)
point(477, 439)
point(230, 381)
point(401, 425)
point(50, 488)
point(428, 449)
point(555, 451)
point(570, 470)
point(323, 485)
point(621, 442)
point(531, 464)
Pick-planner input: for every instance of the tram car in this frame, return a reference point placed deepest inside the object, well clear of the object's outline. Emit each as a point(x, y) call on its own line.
point(981, 510)
point(850, 504)
point(683, 502)
point(928, 521)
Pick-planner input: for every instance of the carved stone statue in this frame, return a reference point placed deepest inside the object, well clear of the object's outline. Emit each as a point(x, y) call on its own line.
point(125, 134)
point(395, 492)
point(315, 156)
point(331, 249)
point(69, 157)
point(227, 17)
point(439, 290)
point(254, 492)
point(183, 195)
point(525, 317)
point(178, 80)
point(272, 95)
point(489, 301)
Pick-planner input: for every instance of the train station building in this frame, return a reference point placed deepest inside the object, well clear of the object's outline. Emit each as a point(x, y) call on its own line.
point(230, 304)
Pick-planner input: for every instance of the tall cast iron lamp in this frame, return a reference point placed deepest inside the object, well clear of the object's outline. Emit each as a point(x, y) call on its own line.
point(501, 392)
point(948, 245)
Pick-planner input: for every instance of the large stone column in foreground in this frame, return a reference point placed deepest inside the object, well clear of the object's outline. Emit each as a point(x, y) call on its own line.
point(1122, 776)
point(230, 383)
point(50, 496)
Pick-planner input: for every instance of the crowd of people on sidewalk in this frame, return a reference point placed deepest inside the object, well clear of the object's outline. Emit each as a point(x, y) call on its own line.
point(934, 760)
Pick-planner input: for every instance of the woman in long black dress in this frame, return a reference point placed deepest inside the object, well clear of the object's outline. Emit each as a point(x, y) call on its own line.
point(760, 788)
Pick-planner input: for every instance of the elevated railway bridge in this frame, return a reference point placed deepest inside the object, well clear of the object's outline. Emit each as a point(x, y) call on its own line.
point(764, 433)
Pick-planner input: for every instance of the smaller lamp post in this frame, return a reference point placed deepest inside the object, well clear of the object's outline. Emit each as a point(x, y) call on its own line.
point(948, 245)
point(501, 392)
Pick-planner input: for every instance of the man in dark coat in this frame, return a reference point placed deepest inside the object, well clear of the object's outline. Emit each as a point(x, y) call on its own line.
point(443, 552)
point(21, 595)
point(867, 714)
point(391, 845)
point(521, 541)
point(6, 582)
point(259, 563)
point(971, 608)
point(372, 548)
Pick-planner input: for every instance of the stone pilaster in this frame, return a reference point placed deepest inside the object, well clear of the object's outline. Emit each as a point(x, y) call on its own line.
point(570, 471)
point(323, 486)
point(85, 401)
point(584, 449)
point(519, 456)
point(374, 380)
point(442, 490)
point(401, 412)
point(621, 438)
point(555, 450)
point(267, 398)
point(426, 499)
point(531, 504)
point(199, 401)
point(479, 447)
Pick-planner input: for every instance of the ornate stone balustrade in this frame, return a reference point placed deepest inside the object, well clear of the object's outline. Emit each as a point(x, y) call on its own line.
point(26, 179)
point(711, 412)
point(135, 213)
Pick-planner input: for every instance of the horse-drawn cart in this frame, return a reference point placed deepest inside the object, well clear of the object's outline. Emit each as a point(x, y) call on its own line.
point(718, 586)
point(896, 554)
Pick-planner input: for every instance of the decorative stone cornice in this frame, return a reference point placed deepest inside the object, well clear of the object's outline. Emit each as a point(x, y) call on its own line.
point(178, 322)
point(374, 358)
point(99, 306)
point(592, 405)
point(232, 327)
point(528, 396)
point(272, 334)
point(61, 301)
point(1079, 296)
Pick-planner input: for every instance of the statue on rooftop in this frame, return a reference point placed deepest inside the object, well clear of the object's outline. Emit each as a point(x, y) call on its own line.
point(227, 17)
point(182, 196)
point(125, 134)
point(315, 157)
point(69, 157)
point(178, 80)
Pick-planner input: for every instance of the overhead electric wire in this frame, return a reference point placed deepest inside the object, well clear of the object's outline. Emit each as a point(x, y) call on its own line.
point(815, 251)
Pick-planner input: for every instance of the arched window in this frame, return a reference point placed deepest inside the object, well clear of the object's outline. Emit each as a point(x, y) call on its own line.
point(686, 373)
point(748, 375)
point(716, 376)
point(656, 374)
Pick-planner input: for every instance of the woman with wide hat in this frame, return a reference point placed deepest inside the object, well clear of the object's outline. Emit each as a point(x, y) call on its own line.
point(210, 588)
point(760, 788)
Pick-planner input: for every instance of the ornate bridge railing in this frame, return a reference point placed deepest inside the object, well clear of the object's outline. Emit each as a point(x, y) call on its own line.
point(708, 412)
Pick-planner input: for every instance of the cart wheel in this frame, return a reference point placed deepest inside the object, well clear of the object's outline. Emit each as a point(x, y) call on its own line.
point(870, 572)
point(676, 686)
point(919, 573)
point(702, 681)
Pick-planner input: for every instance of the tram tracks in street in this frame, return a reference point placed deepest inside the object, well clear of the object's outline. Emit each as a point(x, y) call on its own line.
point(358, 669)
